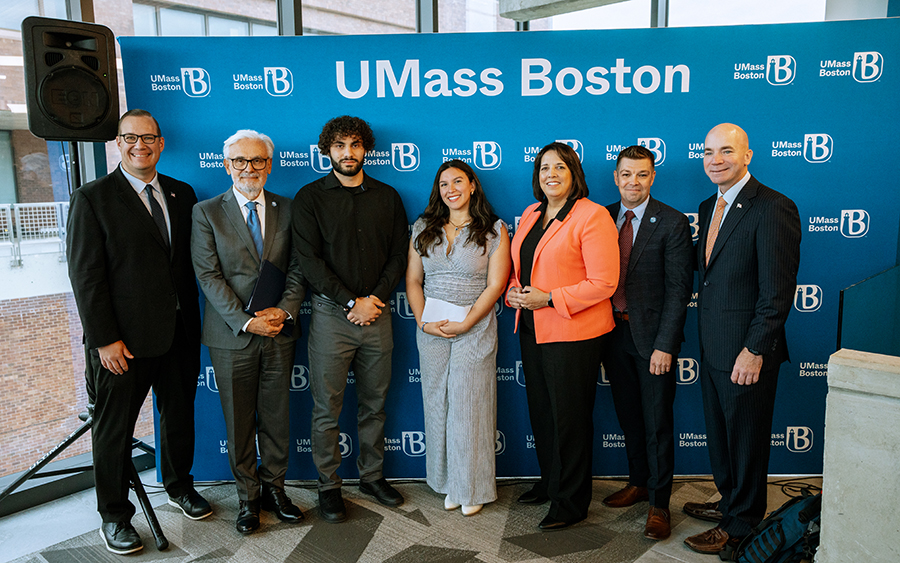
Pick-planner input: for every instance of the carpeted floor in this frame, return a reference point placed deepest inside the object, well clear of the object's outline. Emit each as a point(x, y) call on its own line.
point(420, 531)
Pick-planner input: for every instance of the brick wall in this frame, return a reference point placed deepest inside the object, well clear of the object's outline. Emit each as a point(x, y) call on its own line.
point(42, 380)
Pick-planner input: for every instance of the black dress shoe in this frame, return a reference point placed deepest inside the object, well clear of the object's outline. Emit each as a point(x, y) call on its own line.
point(248, 516)
point(120, 537)
point(331, 506)
point(550, 524)
point(192, 505)
point(382, 491)
point(275, 501)
point(533, 496)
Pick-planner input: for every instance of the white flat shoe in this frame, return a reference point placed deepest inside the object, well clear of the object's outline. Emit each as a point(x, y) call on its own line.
point(449, 504)
point(470, 510)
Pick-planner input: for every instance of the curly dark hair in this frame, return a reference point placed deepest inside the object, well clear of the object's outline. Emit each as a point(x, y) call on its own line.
point(568, 155)
point(437, 214)
point(346, 126)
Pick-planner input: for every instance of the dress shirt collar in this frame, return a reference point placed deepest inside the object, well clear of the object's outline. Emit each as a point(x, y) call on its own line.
point(242, 200)
point(733, 192)
point(139, 185)
point(638, 212)
point(331, 181)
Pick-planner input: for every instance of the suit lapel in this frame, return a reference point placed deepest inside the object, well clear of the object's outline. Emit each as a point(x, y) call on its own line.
point(271, 224)
point(649, 223)
point(704, 217)
point(551, 231)
point(172, 206)
point(235, 216)
point(739, 208)
point(132, 201)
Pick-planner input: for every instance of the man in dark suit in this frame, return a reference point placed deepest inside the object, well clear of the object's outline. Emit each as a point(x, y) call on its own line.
point(650, 306)
point(233, 233)
point(130, 266)
point(748, 253)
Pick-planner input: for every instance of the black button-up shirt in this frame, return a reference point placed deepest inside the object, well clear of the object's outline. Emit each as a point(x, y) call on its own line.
point(352, 241)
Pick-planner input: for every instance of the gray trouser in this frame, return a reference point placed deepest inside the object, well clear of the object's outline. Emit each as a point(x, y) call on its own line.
point(254, 388)
point(336, 345)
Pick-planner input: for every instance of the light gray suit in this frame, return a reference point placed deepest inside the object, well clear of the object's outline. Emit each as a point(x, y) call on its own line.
point(252, 371)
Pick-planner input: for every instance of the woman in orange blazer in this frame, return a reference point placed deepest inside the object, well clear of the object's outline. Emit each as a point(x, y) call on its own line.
point(565, 269)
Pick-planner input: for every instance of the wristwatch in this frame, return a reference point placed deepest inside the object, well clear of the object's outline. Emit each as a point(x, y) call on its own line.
point(350, 304)
point(550, 299)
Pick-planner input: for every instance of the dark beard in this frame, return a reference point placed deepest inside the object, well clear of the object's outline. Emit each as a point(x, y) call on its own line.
point(345, 171)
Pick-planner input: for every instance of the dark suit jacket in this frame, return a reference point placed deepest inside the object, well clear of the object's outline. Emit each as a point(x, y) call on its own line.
point(227, 266)
point(747, 289)
point(659, 278)
point(127, 285)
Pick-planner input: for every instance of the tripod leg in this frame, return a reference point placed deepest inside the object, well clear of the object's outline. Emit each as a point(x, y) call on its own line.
point(161, 542)
point(47, 458)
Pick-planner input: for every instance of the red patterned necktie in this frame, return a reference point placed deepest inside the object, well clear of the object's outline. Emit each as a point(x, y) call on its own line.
point(626, 241)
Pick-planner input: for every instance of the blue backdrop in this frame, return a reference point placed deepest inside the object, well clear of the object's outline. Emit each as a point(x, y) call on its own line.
point(819, 102)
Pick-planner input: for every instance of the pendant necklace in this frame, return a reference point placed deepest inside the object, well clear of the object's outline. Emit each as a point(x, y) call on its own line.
point(458, 227)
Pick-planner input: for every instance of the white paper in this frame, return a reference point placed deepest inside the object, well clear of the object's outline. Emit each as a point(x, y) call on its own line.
point(438, 310)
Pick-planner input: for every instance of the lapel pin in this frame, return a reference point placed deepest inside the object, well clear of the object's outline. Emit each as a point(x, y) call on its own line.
point(653, 219)
point(740, 206)
point(171, 194)
point(274, 204)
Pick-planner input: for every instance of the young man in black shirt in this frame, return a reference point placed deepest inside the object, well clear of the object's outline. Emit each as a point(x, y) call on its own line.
point(352, 233)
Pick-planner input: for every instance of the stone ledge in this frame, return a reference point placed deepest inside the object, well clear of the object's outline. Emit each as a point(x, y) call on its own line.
point(864, 372)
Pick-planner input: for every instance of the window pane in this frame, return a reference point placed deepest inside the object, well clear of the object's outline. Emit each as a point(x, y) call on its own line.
point(224, 26)
point(7, 171)
point(359, 17)
point(633, 14)
point(261, 29)
point(12, 12)
point(711, 12)
point(56, 9)
point(144, 20)
point(176, 22)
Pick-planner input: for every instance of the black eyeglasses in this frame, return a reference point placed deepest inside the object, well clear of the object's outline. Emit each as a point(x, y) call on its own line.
point(131, 138)
point(240, 163)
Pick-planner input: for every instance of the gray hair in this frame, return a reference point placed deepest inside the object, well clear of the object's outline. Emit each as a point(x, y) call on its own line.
point(248, 134)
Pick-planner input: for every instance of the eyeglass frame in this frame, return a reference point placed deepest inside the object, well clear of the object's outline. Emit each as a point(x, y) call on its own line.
point(249, 161)
point(143, 138)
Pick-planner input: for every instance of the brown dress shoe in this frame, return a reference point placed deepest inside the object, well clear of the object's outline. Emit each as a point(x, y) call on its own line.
point(628, 496)
point(658, 527)
point(708, 511)
point(710, 541)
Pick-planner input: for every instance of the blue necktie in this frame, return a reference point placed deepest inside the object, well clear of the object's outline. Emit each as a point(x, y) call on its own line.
point(255, 229)
point(156, 212)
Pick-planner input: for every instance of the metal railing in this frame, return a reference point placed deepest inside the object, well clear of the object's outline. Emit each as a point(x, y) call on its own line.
point(33, 228)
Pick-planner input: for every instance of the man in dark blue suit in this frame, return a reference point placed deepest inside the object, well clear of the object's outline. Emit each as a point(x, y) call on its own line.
point(748, 254)
point(129, 253)
point(650, 305)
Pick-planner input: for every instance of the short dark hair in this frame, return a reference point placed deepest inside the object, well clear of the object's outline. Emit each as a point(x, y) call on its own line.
point(346, 126)
point(570, 158)
point(637, 152)
point(138, 113)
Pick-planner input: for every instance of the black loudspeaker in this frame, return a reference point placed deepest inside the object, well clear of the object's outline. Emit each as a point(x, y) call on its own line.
point(70, 79)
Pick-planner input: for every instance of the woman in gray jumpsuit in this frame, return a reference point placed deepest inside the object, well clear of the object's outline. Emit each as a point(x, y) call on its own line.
point(459, 265)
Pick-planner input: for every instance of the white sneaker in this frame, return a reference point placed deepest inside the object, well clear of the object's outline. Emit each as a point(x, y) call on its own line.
point(449, 504)
point(470, 510)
